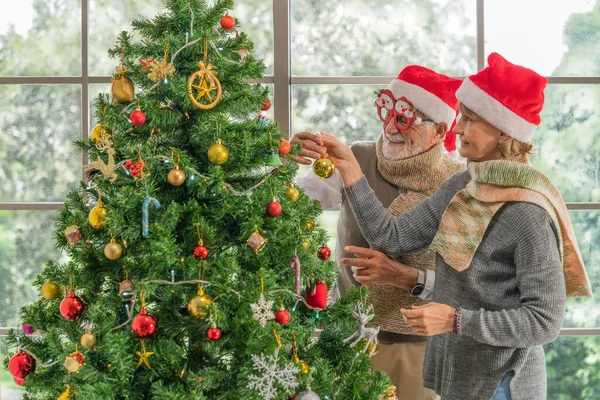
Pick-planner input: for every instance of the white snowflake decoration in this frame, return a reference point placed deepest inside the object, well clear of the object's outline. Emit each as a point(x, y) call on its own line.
point(262, 310)
point(272, 374)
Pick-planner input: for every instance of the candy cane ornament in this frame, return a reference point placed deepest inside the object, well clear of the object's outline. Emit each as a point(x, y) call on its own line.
point(145, 212)
point(295, 263)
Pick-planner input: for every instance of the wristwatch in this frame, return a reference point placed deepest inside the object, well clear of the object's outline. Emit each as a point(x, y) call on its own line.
point(420, 286)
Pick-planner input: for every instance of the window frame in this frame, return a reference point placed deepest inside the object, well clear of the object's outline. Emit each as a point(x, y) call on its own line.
point(282, 81)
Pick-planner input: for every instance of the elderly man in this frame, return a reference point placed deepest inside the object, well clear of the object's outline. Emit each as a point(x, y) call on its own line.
point(404, 167)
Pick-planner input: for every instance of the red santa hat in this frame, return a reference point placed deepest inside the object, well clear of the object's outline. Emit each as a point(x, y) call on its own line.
point(506, 95)
point(431, 93)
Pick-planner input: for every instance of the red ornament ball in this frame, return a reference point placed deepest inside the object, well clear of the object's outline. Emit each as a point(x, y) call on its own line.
point(201, 252)
point(274, 209)
point(324, 253)
point(284, 147)
point(214, 333)
point(227, 22)
point(282, 317)
point(72, 307)
point(21, 365)
point(19, 381)
point(144, 325)
point(266, 105)
point(137, 117)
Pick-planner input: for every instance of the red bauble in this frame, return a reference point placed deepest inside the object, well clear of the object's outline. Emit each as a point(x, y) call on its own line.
point(201, 252)
point(21, 365)
point(282, 316)
point(214, 333)
point(274, 208)
point(266, 105)
point(324, 253)
point(316, 296)
point(284, 147)
point(72, 307)
point(19, 381)
point(137, 117)
point(144, 325)
point(227, 22)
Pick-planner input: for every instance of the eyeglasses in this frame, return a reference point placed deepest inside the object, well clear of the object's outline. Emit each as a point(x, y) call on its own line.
point(402, 110)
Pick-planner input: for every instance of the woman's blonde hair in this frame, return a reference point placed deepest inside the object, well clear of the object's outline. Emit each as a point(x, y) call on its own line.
point(512, 149)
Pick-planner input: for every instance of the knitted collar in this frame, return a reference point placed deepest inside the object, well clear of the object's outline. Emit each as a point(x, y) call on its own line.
point(422, 173)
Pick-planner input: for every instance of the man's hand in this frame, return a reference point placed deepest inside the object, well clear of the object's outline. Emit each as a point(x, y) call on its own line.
point(430, 319)
point(312, 147)
point(377, 268)
point(343, 158)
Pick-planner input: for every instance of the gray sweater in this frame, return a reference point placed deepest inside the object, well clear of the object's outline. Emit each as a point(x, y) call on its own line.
point(512, 294)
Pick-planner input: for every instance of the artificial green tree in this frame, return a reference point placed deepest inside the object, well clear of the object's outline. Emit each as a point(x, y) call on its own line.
point(196, 271)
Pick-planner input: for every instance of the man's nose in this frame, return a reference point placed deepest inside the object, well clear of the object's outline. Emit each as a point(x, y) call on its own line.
point(390, 128)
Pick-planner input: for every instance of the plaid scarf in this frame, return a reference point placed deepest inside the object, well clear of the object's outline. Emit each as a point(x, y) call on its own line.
point(492, 184)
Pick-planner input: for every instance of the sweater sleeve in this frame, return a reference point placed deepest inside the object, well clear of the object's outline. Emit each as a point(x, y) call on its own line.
point(408, 232)
point(540, 281)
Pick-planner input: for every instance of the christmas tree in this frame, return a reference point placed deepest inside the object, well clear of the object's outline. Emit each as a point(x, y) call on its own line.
point(196, 269)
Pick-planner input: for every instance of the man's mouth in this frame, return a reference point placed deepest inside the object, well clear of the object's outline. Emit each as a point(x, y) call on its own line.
point(396, 138)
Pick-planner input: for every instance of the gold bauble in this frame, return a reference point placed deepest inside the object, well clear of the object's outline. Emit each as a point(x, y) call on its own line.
point(361, 345)
point(218, 154)
point(176, 176)
point(310, 224)
point(324, 167)
point(97, 215)
point(113, 250)
point(199, 305)
point(304, 367)
point(88, 340)
point(98, 131)
point(305, 243)
point(292, 193)
point(50, 291)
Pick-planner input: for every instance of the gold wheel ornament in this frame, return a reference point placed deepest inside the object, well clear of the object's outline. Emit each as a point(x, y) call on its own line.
point(202, 83)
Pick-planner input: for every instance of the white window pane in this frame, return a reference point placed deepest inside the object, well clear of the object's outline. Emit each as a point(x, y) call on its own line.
point(552, 37)
point(342, 110)
point(567, 143)
point(40, 38)
point(38, 158)
point(379, 37)
point(27, 239)
point(109, 18)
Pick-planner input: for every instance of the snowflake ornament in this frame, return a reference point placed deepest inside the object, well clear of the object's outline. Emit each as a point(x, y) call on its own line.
point(270, 374)
point(262, 310)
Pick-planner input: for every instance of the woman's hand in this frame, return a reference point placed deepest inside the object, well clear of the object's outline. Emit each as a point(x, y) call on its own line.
point(377, 268)
point(312, 147)
point(430, 319)
point(343, 158)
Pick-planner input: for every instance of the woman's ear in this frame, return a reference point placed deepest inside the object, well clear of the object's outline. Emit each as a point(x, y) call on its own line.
point(503, 137)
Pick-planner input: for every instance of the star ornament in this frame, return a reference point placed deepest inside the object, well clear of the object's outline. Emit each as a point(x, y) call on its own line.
point(144, 355)
point(204, 90)
point(262, 310)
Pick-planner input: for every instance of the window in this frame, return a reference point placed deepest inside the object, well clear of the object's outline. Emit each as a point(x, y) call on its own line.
point(324, 61)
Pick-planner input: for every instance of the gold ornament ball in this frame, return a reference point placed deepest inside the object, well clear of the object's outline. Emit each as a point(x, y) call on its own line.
point(361, 345)
point(218, 154)
point(304, 367)
point(89, 340)
point(176, 176)
point(323, 167)
point(292, 193)
point(199, 305)
point(98, 131)
point(50, 291)
point(96, 216)
point(113, 250)
point(310, 224)
point(305, 243)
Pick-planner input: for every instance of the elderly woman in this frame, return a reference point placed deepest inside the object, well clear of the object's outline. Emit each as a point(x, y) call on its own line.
point(506, 252)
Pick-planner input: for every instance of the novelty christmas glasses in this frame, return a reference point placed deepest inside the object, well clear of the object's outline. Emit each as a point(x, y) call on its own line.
point(401, 110)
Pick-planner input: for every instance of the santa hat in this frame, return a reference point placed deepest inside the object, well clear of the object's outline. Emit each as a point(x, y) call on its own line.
point(431, 93)
point(506, 95)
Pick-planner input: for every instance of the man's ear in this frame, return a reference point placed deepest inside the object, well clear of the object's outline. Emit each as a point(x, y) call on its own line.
point(440, 131)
